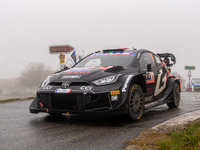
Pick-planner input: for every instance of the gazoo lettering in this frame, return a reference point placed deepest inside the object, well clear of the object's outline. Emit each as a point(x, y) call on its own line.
point(126, 83)
point(164, 79)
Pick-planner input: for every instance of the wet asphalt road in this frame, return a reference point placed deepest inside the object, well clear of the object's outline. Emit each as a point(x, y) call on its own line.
point(20, 130)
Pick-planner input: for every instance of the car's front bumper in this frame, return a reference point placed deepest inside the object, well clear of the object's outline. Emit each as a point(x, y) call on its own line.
point(79, 101)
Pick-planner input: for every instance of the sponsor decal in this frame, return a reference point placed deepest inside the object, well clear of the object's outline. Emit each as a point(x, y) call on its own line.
point(114, 97)
point(126, 83)
point(115, 92)
point(118, 53)
point(77, 71)
point(149, 91)
point(62, 90)
point(150, 78)
point(150, 98)
point(104, 68)
point(41, 105)
point(46, 87)
point(71, 77)
point(160, 82)
point(86, 87)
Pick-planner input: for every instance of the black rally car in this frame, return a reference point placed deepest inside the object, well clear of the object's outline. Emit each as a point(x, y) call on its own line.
point(114, 81)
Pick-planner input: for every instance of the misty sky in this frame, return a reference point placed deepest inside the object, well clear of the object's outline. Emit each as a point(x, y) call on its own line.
point(28, 27)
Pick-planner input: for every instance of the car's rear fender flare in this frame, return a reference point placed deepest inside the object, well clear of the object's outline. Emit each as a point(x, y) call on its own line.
point(171, 84)
point(168, 93)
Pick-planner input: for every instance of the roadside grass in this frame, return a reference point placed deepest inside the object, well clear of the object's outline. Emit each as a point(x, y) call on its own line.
point(15, 99)
point(185, 137)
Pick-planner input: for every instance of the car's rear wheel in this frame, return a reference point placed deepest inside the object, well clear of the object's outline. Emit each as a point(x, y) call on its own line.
point(136, 102)
point(175, 97)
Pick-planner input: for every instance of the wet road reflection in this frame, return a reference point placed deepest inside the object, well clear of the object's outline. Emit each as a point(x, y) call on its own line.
point(22, 130)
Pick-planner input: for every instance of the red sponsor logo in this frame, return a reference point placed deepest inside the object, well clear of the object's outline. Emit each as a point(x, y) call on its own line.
point(41, 104)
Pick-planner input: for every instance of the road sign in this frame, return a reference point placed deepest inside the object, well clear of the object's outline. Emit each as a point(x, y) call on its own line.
point(60, 49)
point(61, 56)
point(62, 61)
point(189, 67)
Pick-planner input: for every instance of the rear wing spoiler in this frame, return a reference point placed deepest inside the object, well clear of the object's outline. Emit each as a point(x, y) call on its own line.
point(166, 57)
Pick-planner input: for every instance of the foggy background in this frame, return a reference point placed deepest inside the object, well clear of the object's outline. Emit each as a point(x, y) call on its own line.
point(29, 27)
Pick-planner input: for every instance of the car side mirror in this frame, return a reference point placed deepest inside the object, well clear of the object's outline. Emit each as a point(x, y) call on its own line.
point(148, 67)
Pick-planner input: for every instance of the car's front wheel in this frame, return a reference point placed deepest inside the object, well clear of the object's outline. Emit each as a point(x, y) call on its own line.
point(136, 102)
point(175, 97)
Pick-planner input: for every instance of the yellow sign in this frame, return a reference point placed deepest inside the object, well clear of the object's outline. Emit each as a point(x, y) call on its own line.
point(115, 92)
point(62, 61)
point(61, 56)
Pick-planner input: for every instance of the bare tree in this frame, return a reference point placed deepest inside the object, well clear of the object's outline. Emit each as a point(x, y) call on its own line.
point(34, 74)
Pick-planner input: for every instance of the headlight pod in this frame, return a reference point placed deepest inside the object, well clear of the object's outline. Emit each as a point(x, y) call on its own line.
point(106, 80)
point(45, 82)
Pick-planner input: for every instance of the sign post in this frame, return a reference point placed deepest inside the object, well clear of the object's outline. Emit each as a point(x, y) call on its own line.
point(62, 50)
point(62, 60)
point(189, 72)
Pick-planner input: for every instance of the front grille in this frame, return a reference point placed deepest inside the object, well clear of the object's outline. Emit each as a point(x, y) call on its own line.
point(58, 101)
point(66, 101)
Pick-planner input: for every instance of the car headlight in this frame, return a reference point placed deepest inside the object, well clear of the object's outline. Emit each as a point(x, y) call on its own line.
point(106, 80)
point(45, 82)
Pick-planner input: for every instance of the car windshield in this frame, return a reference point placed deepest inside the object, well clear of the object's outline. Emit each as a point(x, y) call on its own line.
point(106, 59)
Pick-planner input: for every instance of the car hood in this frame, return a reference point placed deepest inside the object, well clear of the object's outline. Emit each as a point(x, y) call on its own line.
point(86, 74)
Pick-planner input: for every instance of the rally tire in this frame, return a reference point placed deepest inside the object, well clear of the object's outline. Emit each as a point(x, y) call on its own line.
point(135, 102)
point(175, 97)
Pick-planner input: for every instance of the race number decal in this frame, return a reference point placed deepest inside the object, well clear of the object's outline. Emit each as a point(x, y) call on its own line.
point(150, 78)
point(158, 88)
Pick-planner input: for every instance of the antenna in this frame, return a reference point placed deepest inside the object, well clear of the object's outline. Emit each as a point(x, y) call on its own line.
point(134, 48)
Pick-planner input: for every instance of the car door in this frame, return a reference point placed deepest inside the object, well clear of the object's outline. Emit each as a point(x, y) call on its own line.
point(161, 79)
point(146, 59)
